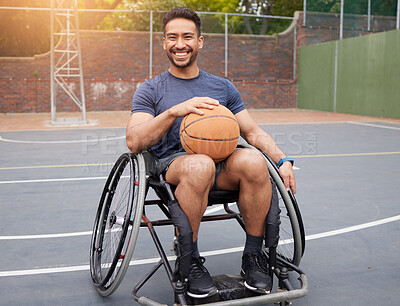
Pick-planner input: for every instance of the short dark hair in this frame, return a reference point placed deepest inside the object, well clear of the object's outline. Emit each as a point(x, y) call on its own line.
point(185, 13)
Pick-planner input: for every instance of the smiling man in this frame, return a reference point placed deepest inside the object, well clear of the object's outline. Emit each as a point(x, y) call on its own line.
point(182, 51)
point(157, 109)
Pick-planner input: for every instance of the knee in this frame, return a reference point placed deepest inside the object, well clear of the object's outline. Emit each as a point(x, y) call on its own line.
point(199, 171)
point(253, 166)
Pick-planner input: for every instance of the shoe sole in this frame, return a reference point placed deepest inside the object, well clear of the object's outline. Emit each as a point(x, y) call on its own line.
point(254, 289)
point(202, 296)
point(257, 290)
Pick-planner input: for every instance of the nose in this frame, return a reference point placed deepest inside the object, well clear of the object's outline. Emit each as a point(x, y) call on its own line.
point(180, 43)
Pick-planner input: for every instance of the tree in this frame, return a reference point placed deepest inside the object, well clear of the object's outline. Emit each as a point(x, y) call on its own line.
point(22, 32)
point(139, 17)
point(264, 26)
point(382, 7)
point(91, 20)
point(213, 23)
point(25, 33)
point(327, 6)
point(223, 6)
point(285, 7)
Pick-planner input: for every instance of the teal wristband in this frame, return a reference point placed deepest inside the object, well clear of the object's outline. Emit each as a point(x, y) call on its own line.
point(282, 160)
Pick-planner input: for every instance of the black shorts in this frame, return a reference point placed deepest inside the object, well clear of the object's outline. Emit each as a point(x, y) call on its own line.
point(161, 166)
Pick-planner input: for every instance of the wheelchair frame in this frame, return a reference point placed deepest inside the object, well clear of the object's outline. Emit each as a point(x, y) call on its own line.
point(122, 212)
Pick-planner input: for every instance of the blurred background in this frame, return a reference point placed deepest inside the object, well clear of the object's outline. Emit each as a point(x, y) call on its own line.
point(329, 55)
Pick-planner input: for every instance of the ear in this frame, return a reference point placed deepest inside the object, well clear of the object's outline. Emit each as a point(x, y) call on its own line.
point(164, 45)
point(201, 42)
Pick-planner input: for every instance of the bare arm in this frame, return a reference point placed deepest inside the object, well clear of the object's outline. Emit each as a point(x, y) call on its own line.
point(258, 138)
point(144, 130)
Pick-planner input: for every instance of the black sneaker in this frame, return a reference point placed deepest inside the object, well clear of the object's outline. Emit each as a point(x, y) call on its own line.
point(256, 273)
point(200, 283)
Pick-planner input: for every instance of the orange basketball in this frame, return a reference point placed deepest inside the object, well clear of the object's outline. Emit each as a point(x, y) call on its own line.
point(215, 133)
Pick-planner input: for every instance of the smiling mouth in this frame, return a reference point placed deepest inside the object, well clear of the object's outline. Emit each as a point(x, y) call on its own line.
point(181, 54)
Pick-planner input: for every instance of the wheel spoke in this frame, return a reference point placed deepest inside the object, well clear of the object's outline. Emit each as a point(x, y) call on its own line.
point(111, 249)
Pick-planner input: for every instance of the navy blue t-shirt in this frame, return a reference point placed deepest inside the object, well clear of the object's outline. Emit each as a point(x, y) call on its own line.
point(165, 90)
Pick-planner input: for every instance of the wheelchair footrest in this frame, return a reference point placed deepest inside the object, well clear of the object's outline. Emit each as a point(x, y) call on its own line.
point(230, 287)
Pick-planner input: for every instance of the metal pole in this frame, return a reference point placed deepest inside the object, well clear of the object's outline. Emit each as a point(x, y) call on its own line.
point(151, 46)
point(294, 53)
point(369, 15)
point(341, 19)
point(398, 15)
point(82, 85)
point(68, 34)
point(226, 45)
point(304, 12)
point(335, 77)
point(52, 93)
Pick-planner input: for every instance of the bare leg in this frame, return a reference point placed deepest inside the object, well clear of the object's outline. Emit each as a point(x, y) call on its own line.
point(246, 170)
point(194, 176)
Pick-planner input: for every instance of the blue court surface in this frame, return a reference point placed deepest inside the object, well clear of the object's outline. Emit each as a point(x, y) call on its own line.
point(348, 191)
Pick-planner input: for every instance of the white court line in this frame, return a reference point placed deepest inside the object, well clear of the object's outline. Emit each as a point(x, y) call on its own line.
point(353, 228)
point(60, 141)
point(76, 234)
point(55, 180)
point(375, 125)
point(208, 253)
point(45, 236)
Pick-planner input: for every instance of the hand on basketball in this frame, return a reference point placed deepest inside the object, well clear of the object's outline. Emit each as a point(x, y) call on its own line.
point(193, 105)
point(287, 174)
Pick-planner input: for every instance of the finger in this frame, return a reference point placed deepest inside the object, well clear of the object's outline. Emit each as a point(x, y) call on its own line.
point(210, 101)
point(286, 182)
point(293, 185)
point(206, 105)
point(197, 111)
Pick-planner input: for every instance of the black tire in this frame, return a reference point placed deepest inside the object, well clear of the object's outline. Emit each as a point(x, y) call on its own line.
point(117, 223)
point(291, 231)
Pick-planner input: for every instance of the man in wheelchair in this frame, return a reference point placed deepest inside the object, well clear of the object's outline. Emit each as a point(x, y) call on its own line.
point(157, 109)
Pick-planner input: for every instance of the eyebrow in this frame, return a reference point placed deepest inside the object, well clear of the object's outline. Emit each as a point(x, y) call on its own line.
point(186, 33)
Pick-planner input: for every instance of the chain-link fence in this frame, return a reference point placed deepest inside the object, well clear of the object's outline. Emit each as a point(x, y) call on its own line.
point(220, 29)
point(352, 18)
point(212, 22)
point(121, 49)
point(223, 30)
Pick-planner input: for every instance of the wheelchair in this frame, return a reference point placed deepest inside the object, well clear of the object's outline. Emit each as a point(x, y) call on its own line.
point(122, 212)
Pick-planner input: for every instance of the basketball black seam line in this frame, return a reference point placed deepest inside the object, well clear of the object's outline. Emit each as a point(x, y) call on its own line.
point(184, 127)
point(182, 139)
point(209, 139)
point(197, 120)
point(186, 142)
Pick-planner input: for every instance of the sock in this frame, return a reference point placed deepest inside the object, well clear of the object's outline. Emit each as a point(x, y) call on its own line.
point(196, 253)
point(253, 243)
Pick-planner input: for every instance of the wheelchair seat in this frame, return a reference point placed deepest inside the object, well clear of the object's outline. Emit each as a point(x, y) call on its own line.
point(122, 211)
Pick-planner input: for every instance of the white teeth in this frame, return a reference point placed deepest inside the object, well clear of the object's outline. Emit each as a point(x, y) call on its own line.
point(181, 54)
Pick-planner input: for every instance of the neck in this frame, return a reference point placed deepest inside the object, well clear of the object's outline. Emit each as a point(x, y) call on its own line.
point(184, 73)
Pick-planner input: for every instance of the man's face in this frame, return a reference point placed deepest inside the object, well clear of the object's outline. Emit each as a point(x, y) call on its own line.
point(181, 42)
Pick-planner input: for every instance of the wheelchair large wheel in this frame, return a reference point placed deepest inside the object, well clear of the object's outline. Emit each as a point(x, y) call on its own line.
point(117, 222)
point(291, 231)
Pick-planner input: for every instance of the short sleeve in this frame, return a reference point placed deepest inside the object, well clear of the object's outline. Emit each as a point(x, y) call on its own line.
point(144, 99)
point(235, 102)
